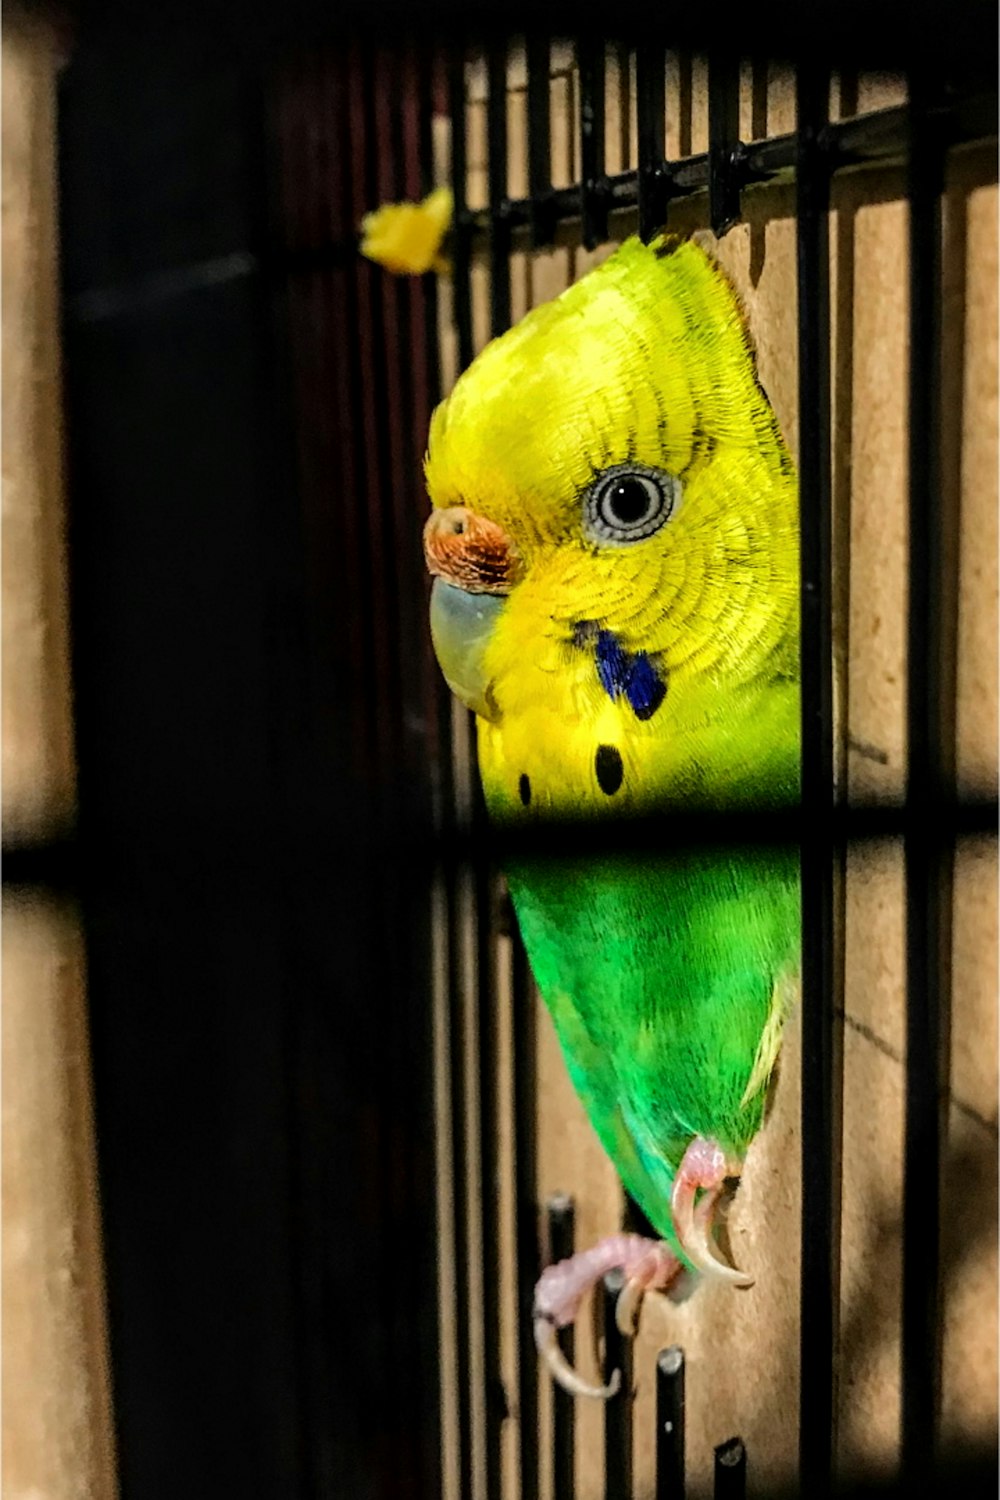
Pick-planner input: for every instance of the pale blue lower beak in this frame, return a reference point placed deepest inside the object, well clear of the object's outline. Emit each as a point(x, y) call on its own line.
point(461, 627)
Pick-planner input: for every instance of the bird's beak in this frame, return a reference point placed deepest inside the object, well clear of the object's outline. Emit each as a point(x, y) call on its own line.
point(475, 565)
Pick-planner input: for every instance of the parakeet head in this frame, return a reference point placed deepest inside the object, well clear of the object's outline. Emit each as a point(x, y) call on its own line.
point(615, 544)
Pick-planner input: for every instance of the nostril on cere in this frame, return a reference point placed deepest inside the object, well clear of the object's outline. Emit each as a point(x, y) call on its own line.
point(470, 552)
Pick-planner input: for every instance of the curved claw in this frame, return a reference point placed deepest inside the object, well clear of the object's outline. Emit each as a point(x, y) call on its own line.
point(693, 1224)
point(561, 1369)
point(628, 1304)
point(695, 1243)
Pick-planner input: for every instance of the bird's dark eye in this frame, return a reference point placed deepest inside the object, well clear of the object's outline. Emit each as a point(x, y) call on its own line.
point(628, 503)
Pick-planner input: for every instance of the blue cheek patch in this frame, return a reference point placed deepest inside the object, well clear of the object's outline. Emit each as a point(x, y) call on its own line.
point(613, 664)
point(623, 675)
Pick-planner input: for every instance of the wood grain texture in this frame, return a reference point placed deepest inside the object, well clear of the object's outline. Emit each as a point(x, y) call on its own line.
point(57, 1425)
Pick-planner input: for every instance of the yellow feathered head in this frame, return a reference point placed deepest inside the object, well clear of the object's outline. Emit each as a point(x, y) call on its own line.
point(608, 477)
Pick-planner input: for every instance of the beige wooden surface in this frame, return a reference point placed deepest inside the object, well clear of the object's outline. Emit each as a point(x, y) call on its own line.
point(743, 1347)
point(57, 1441)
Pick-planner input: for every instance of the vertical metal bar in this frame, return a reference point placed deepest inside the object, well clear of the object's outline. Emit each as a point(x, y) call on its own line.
point(376, 176)
point(458, 1087)
point(369, 357)
point(758, 97)
point(634, 1221)
point(400, 592)
point(495, 1400)
point(723, 142)
point(623, 60)
point(496, 151)
point(344, 314)
point(427, 377)
point(526, 1197)
point(330, 310)
point(419, 180)
point(461, 256)
point(496, 1405)
point(731, 1470)
point(426, 325)
point(670, 1476)
point(821, 1080)
point(395, 361)
point(928, 774)
point(562, 1228)
point(590, 63)
point(617, 1411)
point(685, 92)
point(538, 60)
point(458, 1092)
point(494, 1396)
point(650, 86)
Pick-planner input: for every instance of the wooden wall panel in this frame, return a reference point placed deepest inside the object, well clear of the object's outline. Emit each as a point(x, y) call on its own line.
point(57, 1427)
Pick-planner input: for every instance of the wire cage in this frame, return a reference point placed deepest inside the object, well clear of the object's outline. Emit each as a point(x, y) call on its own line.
point(326, 1102)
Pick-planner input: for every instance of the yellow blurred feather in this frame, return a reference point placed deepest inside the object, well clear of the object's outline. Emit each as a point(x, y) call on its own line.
point(406, 238)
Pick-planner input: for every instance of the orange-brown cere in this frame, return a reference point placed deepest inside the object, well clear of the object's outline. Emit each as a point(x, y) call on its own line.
point(470, 552)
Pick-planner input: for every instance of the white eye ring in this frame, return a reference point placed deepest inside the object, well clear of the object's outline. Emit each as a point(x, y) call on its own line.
point(628, 503)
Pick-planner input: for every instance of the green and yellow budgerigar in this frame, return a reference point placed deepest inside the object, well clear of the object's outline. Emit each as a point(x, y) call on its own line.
point(614, 541)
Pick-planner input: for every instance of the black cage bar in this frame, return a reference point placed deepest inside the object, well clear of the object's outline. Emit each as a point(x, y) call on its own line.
point(273, 809)
point(820, 1290)
point(933, 594)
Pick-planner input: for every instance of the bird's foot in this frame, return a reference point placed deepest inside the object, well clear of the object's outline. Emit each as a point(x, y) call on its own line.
point(705, 1166)
point(648, 1265)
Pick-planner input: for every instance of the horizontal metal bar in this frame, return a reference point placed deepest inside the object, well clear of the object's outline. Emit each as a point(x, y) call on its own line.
point(878, 138)
point(236, 848)
point(875, 139)
point(146, 293)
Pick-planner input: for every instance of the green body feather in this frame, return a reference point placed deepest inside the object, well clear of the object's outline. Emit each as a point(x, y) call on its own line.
point(661, 976)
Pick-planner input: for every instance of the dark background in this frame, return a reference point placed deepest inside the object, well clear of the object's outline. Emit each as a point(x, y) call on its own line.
point(257, 743)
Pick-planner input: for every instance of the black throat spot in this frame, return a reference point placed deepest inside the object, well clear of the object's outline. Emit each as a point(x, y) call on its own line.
point(609, 769)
